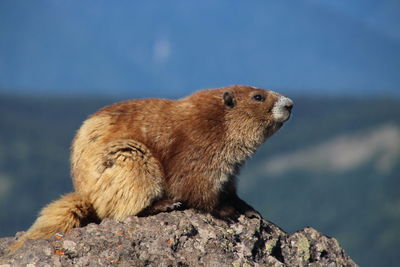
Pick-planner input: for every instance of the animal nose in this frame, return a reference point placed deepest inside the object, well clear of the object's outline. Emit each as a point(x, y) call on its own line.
point(289, 106)
point(282, 109)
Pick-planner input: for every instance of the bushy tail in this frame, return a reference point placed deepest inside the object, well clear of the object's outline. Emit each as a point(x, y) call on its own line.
point(71, 210)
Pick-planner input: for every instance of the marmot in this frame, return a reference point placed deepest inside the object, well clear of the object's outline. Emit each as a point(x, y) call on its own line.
point(141, 157)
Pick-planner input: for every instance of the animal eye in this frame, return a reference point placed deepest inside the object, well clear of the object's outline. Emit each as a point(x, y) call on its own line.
point(258, 98)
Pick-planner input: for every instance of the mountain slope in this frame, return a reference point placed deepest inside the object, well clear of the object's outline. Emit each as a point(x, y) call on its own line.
point(338, 171)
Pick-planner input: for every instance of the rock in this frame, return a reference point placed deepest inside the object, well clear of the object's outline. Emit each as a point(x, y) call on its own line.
point(179, 238)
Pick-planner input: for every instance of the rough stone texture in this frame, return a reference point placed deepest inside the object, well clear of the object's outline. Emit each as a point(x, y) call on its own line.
point(179, 238)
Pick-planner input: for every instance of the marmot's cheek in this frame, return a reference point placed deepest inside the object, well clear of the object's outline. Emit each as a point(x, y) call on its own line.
point(272, 128)
point(282, 109)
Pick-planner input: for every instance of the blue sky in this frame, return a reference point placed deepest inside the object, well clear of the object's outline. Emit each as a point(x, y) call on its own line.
point(150, 48)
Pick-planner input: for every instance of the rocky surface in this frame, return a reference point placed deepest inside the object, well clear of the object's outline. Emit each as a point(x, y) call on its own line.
point(179, 238)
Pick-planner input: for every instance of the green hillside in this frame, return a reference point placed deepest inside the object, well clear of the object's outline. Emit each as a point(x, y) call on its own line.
point(35, 137)
point(334, 166)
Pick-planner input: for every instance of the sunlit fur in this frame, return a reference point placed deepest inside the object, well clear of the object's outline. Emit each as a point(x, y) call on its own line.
point(131, 154)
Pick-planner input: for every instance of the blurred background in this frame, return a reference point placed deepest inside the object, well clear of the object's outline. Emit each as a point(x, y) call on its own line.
point(334, 166)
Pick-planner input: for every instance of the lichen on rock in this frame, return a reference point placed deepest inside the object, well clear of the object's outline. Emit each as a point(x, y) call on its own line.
point(180, 238)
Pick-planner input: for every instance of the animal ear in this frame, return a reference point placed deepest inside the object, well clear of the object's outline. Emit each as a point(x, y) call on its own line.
point(229, 99)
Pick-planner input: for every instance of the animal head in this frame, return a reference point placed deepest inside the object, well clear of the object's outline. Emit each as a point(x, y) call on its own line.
point(253, 113)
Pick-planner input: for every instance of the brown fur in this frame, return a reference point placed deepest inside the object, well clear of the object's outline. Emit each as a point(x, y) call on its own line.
point(135, 157)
